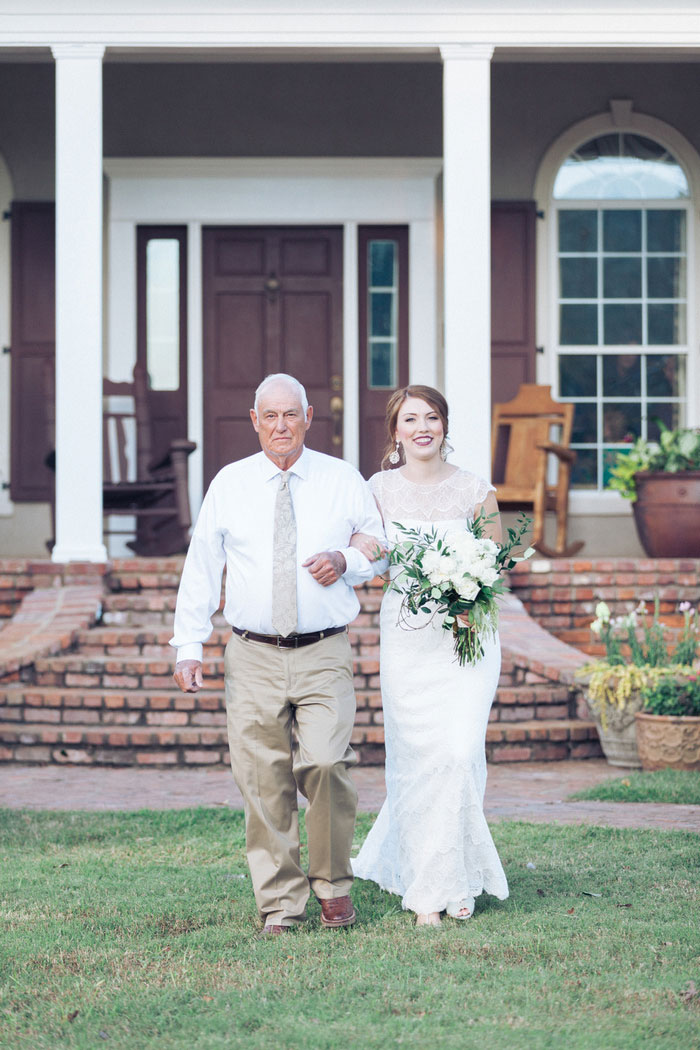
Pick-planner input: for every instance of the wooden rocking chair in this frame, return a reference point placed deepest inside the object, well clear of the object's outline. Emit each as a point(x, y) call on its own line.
point(522, 451)
point(153, 491)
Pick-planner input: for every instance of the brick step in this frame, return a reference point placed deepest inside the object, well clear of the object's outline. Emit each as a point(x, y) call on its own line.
point(145, 672)
point(83, 744)
point(167, 746)
point(70, 705)
point(527, 702)
point(21, 703)
point(542, 741)
point(154, 641)
point(117, 672)
point(143, 608)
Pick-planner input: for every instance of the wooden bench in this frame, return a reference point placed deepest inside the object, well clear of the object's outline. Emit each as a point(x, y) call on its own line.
point(531, 462)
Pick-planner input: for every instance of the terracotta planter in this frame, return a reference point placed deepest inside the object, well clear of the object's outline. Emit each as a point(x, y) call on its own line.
point(618, 738)
point(667, 513)
point(668, 741)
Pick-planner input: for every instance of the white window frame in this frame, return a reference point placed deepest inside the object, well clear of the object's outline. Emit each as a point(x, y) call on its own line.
point(586, 501)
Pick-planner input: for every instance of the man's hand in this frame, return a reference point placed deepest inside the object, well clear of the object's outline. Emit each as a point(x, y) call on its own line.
point(326, 567)
point(188, 675)
point(372, 548)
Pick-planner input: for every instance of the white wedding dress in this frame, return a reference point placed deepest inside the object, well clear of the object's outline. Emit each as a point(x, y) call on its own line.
point(431, 843)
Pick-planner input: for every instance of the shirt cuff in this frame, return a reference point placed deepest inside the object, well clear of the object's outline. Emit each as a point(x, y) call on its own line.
point(191, 651)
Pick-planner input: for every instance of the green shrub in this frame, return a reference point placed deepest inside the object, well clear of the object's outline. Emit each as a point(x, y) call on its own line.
point(675, 694)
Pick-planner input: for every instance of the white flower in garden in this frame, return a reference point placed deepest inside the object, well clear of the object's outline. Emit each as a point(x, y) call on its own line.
point(602, 612)
point(596, 626)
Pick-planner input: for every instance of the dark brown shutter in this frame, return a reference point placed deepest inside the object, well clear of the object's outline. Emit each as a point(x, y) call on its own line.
point(512, 297)
point(33, 349)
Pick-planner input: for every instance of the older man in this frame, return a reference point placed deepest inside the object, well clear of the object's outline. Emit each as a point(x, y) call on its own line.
point(281, 522)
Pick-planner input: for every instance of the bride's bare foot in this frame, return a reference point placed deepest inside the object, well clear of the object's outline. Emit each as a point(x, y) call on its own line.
point(432, 918)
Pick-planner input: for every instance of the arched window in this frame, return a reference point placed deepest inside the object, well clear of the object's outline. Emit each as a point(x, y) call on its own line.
point(622, 210)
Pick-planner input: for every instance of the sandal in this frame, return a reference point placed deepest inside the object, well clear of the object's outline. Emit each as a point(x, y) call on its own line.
point(455, 908)
point(428, 919)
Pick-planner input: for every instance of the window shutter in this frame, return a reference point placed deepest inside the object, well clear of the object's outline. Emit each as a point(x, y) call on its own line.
point(32, 349)
point(512, 297)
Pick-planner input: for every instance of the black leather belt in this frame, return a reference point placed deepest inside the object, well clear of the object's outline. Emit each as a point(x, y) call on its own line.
point(293, 641)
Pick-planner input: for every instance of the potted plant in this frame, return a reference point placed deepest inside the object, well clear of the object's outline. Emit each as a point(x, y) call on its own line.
point(638, 655)
point(668, 726)
point(663, 481)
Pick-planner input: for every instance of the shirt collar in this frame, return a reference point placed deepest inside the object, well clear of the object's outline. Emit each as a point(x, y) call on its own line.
point(270, 470)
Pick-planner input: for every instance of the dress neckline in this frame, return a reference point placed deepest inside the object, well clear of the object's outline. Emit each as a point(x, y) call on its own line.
point(428, 484)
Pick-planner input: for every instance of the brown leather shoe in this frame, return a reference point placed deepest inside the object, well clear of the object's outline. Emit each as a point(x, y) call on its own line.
point(337, 912)
point(273, 930)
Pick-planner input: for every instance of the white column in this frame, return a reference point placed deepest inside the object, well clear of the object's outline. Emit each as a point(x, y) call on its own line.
point(79, 303)
point(467, 232)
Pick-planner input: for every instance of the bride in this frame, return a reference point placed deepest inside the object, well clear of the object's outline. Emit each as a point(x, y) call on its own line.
point(430, 842)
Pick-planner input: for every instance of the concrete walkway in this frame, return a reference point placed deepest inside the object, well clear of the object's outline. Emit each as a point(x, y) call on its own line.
point(528, 791)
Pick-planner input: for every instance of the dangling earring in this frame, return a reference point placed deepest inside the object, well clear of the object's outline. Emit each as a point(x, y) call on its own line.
point(445, 449)
point(395, 456)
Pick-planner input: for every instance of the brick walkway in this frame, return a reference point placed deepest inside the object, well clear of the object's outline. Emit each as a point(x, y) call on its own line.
point(527, 791)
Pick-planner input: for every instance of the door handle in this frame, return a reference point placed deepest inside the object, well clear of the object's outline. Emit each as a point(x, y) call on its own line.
point(336, 406)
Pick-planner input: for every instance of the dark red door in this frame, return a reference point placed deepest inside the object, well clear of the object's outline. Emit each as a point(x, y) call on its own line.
point(512, 297)
point(272, 303)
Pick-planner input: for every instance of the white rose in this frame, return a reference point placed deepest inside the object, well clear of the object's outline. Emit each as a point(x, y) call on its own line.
point(468, 589)
point(488, 576)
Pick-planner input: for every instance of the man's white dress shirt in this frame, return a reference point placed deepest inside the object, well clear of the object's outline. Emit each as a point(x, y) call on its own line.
point(235, 528)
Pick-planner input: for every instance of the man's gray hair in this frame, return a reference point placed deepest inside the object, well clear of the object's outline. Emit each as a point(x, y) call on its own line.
point(281, 377)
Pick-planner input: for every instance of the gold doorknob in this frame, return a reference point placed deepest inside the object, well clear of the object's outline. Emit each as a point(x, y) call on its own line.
point(336, 407)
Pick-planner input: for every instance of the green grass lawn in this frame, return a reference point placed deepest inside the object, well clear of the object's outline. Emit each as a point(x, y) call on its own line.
point(667, 785)
point(138, 930)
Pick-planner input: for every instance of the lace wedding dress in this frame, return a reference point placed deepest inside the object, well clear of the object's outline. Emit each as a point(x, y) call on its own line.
point(431, 843)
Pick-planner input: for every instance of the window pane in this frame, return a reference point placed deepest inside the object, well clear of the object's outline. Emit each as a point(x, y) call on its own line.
point(666, 324)
point(670, 415)
point(622, 375)
point(382, 319)
point(622, 231)
point(665, 375)
point(163, 313)
point(622, 278)
point(579, 278)
point(579, 325)
point(382, 264)
point(381, 313)
point(622, 325)
point(665, 278)
point(666, 231)
point(622, 421)
point(585, 427)
point(381, 364)
point(609, 458)
point(584, 473)
point(578, 231)
point(577, 375)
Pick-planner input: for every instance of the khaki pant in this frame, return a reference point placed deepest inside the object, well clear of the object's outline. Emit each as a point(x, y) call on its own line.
point(269, 693)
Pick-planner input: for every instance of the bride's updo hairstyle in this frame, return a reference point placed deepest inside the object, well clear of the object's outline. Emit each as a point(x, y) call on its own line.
point(426, 393)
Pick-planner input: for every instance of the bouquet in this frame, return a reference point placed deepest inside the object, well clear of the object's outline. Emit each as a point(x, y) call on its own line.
point(456, 573)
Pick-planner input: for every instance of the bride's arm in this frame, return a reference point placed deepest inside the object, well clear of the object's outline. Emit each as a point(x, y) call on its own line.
point(493, 528)
point(373, 548)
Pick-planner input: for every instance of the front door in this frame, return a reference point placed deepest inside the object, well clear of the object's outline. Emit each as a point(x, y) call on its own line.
point(272, 303)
